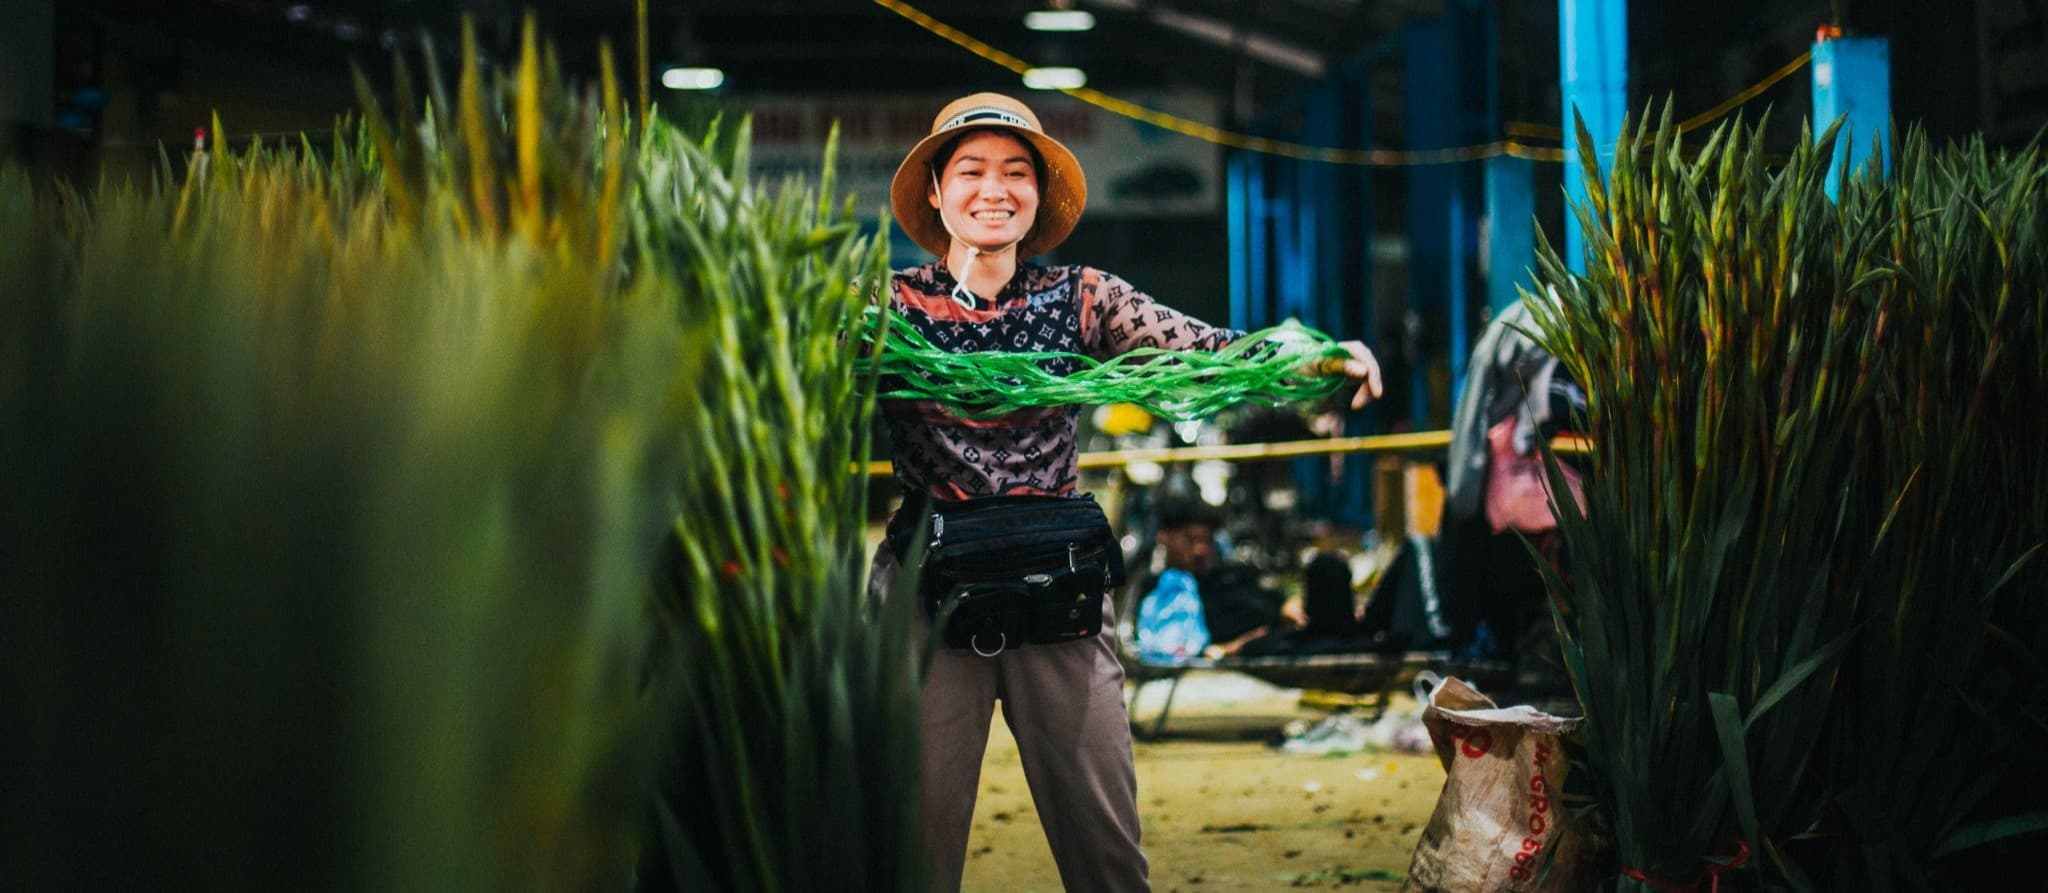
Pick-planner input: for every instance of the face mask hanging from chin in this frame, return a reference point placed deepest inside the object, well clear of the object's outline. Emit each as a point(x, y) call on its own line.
point(962, 295)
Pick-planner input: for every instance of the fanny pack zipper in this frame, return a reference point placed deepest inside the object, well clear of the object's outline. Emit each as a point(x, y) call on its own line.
point(1075, 557)
point(1033, 507)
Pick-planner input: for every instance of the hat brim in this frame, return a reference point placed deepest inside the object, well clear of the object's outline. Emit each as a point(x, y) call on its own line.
point(1061, 196)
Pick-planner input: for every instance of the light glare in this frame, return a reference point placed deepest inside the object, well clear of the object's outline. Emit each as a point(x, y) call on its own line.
point(1059, 20)
point(1055, 78)
point(692, 78)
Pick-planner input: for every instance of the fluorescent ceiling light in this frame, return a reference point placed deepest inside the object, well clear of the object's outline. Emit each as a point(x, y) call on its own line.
point(1059, 20)
point(1055, 78)
point(692, 78)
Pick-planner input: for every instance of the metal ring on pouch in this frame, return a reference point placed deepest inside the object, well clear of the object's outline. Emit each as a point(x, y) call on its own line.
point(974, 642)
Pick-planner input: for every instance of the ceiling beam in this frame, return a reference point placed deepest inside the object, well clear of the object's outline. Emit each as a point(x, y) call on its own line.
point(1270, 50)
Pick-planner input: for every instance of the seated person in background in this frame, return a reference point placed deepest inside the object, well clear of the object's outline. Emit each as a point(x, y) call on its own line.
point(1237, 610)
point(1332, 623)
point(1406, 611)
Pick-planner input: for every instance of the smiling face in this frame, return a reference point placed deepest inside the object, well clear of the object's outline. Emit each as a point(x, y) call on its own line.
point(988, 190)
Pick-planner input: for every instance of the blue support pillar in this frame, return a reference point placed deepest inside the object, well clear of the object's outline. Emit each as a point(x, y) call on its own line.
point(1281, 248)
point(1475, 56)
point(1252, 264)
point(1462, 245)
point(1258, 242)
point(1593, 74)
point(1362, 317)
point(1293, 223)
point(1322, 199)
point(1323, 226)
point(1852, 81)
point(1428, 101)
point(1362, 301)
point(1510, 232)
point(1446, 94)
point(1237, 215)
point(1298, 301)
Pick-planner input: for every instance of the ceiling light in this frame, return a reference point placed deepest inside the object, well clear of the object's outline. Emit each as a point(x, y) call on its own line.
point(1059, 20)
point(692, 78)
point(1055, 78)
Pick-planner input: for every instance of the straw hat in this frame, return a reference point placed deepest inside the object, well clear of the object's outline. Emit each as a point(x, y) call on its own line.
point(1062, 189)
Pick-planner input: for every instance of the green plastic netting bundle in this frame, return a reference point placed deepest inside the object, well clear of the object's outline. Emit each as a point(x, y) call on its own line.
point(1281, 364)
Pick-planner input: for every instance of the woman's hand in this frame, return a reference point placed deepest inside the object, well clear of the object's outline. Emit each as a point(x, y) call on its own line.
point(1362, 368)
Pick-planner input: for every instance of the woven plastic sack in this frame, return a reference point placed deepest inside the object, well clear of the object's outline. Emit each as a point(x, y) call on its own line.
point(1498, 825)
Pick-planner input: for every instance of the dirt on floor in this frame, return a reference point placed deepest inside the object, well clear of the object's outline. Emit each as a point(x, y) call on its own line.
point(1222, 808)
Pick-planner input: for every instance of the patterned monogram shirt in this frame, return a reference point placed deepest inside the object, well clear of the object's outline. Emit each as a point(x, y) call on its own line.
point(1072, 309)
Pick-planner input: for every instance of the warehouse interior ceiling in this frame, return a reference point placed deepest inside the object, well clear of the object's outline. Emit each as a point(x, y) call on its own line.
point(282, 65)
point(1247, 56)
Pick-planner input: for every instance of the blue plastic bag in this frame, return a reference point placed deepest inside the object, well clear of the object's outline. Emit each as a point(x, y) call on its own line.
point(1170, 624)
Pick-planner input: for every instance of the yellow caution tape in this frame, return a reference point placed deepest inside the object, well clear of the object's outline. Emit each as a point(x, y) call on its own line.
point(1330, 155)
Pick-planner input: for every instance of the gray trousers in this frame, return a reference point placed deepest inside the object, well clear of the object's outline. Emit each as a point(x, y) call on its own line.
point(1064, 703)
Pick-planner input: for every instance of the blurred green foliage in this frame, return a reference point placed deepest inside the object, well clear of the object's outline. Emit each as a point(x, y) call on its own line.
point(1804, 611)
point(406, 514)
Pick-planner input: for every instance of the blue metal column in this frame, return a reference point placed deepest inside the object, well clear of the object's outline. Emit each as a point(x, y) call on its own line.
point(1362, 319)
point(1510, 232)
point(1259, 217)
point(1280, 248)
point(1852, 80)
point(1294, 224)
point(1291, 223)
point(1237, 215)
point(1428, 102)
point(1474, 57)
point(1251, 240)
point(1329, 227)
point(1461, 245)
point(1301, 299)
point(1321, 264)
point(1445, 101)
point(1251, 252)
point(1593, 70)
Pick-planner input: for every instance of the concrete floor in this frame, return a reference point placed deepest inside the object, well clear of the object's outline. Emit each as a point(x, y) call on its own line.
point(1222, 809)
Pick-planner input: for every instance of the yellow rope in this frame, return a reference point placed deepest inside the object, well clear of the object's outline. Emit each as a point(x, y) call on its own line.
point(1365, 157)
point(1697, 121)
point(1421, 441)
point(1227, 138)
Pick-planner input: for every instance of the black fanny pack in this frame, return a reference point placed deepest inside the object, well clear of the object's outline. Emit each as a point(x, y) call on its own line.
point(1009, 571)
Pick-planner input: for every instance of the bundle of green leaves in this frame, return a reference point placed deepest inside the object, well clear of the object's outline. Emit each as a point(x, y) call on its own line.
point(797, 695)
point(1800, 613)
point(407, 512)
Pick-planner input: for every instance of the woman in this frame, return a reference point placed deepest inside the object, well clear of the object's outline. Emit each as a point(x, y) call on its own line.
point(986, 189)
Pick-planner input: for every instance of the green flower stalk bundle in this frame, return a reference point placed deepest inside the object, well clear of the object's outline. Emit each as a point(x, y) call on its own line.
point(437, 508)
point(794, 766)
point(1776, 616)
point(1944, 696)
point(335, 484)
